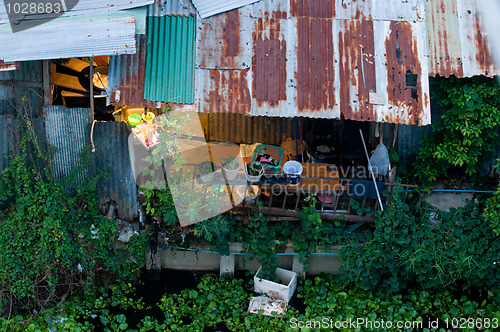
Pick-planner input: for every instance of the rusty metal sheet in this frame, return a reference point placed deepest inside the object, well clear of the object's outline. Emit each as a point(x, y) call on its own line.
point(269, 66)
point(223, 90)
point(399, 54)
point(171, 7)
point(312, 9)
point(208, 8)
point(9, 66)
point(444, 38)
point(357, 69)
point(126, 78)
point(238, 128)
point(458, 44)
point(387, 10)
point(275, 9)
point(316, 66)
point(224, 41)
point(476, 50)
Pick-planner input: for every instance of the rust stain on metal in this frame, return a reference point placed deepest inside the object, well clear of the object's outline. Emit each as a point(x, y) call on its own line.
point(228, 92)
point(444, 38)
point(315, 74)
point(9, 66)
point(402, 59)
point(483, 54)
point(357, 69)
point(220, 42)
point(313, 9)
point(231, 34)
point(132, 78)
point(268, 63)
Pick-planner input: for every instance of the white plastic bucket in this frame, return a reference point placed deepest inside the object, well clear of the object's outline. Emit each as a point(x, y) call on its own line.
point(293, 169)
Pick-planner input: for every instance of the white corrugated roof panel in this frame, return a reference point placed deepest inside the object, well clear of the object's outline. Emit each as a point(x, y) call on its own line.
point(66, 37)
point(86, 7)
point(208, 8)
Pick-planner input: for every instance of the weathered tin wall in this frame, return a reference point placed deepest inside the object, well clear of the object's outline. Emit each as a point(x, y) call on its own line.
point(10, 136)
point(458, 44)
point(119, 185)
point(21, 90)
point(171, 7)
point(208, 8)
point(305, 61)
point(237, 128)
point(68, 132)
point(126, 77)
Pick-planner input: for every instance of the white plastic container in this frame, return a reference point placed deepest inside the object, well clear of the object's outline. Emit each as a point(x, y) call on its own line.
point(278, 291)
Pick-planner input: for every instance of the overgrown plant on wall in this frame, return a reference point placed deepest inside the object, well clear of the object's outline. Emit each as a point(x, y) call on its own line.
point(492, 210)
point(53, 241)
point(466, 133)
point(406, 248)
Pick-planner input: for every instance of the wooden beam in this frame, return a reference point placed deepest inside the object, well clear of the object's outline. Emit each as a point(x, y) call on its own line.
point(47, 93)
point(296, 214)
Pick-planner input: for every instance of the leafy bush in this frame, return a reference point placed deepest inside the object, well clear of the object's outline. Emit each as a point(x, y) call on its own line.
point(467, 131)
point(53, 242)
point(405, 248)
point(492, 210)
point(221, 305)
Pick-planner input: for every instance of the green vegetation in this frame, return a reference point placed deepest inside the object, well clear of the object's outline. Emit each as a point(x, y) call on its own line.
point(406, 249)
point(219, 304)
point(467, 132)
point(230, 163)
point(54, 244)
point(492, 211)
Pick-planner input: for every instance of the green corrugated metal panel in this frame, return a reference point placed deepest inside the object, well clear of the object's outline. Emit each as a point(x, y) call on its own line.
point(170, 59)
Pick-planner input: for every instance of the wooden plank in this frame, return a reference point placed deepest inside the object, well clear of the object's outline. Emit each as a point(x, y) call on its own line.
point(296, 214)
point(47, 92)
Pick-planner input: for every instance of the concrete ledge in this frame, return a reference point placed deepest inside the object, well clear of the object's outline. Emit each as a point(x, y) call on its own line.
point(201, 261)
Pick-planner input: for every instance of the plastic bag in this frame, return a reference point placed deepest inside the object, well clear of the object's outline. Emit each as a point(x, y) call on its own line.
point(380, 160)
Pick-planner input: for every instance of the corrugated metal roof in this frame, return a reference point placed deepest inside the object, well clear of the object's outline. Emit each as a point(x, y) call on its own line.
point(86, 7)
point(226, 91)
point(458, 44)
point(225, 41)
point(119, 185)
point(319, 67)
point(170, 57)
point(386, 10)
point(305, 63)
point(171, 7)
point(208, 8)
point(88, 35)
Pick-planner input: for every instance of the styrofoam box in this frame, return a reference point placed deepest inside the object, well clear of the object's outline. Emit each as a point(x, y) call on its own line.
point(279, 291)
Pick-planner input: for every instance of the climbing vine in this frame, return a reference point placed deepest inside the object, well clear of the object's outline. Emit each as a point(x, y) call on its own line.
point(467, 130)
point(53, 241)
point(405, 248)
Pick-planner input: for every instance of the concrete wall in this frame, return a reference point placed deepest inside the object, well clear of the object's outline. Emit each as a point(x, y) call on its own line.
point(201, 261)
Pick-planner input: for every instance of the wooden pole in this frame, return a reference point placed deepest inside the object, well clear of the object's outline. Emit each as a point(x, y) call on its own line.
point(47, 93)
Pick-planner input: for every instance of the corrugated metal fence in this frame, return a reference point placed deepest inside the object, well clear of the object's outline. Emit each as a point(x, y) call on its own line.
point(67, 130)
